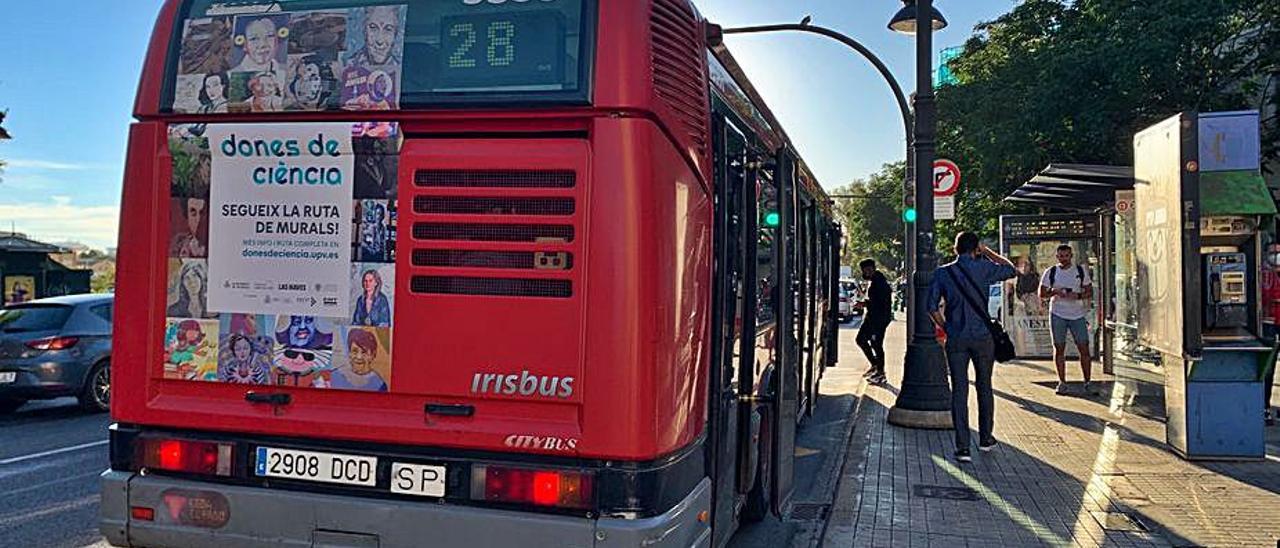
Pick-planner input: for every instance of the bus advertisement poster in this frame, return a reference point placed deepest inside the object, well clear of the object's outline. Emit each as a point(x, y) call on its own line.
point(280, 218)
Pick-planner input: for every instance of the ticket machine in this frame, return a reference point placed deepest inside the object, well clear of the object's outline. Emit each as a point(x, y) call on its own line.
point(1201, 205)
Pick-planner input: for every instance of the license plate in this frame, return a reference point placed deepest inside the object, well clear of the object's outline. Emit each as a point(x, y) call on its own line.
point(8, 377)
point(314, 466)
point(417, 479)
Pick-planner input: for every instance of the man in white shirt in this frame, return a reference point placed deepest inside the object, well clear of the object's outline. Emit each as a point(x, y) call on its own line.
point(1069, 290)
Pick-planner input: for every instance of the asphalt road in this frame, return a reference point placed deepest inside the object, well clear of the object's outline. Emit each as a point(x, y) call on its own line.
point(51, 454)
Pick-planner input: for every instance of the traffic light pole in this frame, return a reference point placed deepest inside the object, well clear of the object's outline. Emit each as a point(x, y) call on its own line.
point(925, 398)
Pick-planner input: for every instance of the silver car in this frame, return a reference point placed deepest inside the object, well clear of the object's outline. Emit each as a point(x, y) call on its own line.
point(56, 347)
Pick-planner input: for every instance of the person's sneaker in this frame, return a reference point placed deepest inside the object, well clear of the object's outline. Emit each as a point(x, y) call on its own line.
point(1270, 417)
point(878, 378)
point(869, 373)
point(987, 446)
point(962, 455)
point(1062, 388)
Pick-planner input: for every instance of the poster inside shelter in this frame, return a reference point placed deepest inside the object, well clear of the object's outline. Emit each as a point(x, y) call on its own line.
point(19, 289)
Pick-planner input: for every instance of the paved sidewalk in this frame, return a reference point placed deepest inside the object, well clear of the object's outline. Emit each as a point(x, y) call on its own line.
point(1070, 471)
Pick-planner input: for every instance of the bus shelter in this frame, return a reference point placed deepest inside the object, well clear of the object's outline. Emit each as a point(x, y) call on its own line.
point(1089, 191)
point(1031, 242)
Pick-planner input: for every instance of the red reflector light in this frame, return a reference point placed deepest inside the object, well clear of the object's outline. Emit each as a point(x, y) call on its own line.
point(142, 513)
point(193, 457)
point(53, 343)
point(552, 488)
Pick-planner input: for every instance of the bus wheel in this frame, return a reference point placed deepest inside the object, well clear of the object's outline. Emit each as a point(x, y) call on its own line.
point(757, 506)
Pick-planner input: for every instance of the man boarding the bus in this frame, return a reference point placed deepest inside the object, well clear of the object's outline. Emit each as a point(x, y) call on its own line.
point(963, 285)
point(1069, 289)
point(879, 314)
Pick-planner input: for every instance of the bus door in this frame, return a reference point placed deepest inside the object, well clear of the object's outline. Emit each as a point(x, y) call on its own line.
point(835, 235)
point(799, 247)
point(809, 367)
point(785, 401)
point(731, 314)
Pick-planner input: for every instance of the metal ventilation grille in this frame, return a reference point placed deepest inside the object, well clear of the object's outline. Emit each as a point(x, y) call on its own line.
point(499, 287)
point(479, 232)
point(467, 205)
point(499, 178)
point(522, 260)
point(534, 240)
point(678, 58)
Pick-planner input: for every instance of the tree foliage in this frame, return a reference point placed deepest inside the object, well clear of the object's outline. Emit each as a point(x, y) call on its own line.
point(103, 279)
point(1071, 81)
point(872, 218)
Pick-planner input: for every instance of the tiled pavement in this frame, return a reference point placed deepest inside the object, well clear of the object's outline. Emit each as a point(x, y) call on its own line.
point(1067, 466)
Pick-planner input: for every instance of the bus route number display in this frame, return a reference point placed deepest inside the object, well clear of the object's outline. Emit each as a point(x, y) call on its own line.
point(514, 50)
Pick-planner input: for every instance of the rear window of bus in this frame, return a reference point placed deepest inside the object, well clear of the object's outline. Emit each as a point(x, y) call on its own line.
point(327, 55)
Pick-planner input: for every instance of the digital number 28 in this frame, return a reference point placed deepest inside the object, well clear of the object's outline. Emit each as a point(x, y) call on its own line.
point(501, 51)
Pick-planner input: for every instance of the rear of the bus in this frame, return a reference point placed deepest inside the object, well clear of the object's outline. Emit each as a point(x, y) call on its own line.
point(353, 291)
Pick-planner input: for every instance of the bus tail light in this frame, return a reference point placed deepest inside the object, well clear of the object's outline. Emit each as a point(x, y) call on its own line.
point(549, 488)
point(192, 457)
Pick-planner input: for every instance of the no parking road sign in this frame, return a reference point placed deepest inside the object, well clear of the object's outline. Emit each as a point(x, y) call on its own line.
point(946, 182)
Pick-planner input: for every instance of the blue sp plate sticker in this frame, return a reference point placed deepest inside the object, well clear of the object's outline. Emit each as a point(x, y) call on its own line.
point(260, 468)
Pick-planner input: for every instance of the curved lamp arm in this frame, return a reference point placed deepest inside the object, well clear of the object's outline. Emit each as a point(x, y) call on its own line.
point(716, 33)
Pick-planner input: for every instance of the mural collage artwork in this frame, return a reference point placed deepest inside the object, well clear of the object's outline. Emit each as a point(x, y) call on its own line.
point(352, 352)
point(338, 59)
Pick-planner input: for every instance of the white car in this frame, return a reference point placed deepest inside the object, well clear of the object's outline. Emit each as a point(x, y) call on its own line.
point(850, 303)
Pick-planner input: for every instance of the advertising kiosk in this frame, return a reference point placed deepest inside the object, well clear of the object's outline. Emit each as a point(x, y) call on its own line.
point(1031, 242)
point(1200, 208)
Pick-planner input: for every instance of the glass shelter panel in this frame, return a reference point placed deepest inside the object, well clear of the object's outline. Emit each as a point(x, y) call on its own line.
point(1031, 242)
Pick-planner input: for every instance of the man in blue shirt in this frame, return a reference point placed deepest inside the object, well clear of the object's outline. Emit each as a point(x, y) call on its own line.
point(968, 337)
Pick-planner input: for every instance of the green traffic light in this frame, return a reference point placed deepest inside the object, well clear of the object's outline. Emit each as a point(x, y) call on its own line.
point(909, 215)
point(772, 218)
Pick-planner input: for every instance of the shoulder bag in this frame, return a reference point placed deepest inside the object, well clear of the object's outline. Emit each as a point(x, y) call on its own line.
point(1003, 344)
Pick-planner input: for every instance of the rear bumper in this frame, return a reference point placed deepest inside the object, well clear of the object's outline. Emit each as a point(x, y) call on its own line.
point(270, 517)
point(39, 379)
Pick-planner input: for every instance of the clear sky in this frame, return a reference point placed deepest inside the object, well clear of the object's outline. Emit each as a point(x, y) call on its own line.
point(69, 69)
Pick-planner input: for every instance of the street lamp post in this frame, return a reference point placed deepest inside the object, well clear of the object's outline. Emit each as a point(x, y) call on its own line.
point(925, 398)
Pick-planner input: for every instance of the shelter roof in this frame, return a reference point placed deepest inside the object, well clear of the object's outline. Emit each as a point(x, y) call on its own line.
point(17, 243)
point(1073, 187)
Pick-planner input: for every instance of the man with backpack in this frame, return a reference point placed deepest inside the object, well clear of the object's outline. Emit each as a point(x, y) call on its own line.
point(964, 285)
point(1069, 290)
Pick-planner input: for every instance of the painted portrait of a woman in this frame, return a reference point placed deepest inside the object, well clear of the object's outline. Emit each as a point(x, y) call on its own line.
point(373, 308)
point(187, 296)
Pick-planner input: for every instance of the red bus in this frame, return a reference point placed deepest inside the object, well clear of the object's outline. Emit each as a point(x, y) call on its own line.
point(458, 273)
